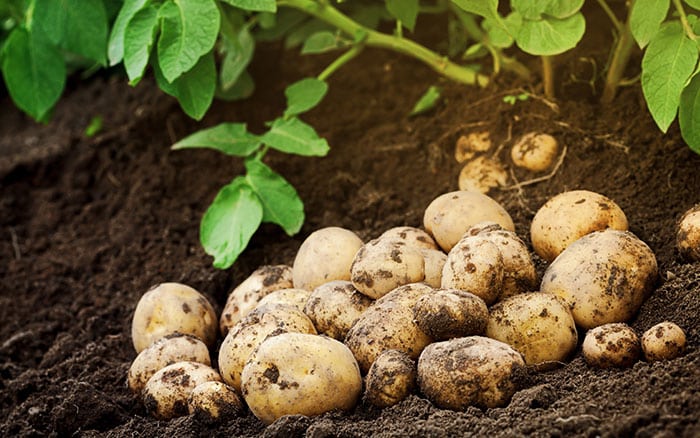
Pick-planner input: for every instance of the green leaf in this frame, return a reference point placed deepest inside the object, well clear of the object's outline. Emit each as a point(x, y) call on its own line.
point(115, 46)
point(302, 33)
point(646, 17)
point(530, 9)
point(406, 11)
point(321, 42)
point(483, 8)
point(689, 114)
point(230, 222)
point(229, 138)
point(668, 62)
point(695, 4)
point(500, 37)
point(94, 127)
point(550, 36)
point(427, 101)
point(286, 19)
point(304, 95)
point(188, 31)
point(238, 51)
point(34, 72)
point(138, 41)
point(563, 8)
point(280, 201)
point(254, 5)
point(242, 89)
point(194, 89)
point(295, 137)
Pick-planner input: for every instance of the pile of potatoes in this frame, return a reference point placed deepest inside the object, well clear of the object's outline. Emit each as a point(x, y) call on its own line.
point(454, 311)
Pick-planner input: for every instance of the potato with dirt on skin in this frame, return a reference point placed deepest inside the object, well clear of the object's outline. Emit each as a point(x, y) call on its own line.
point(450, 215)
point(611, 345)
point(451, 313)
point(214, 402)
point(534, 151)
point(474, 264)
point(324, 256)
point(688, 234)
point(389, 325)
point(390, 379)
point(664, 341)
point(434, 261)
point(382, 265)
point(172, 308)
point(412, 236)
point(604, 277)
point(482, 174)
point(291, 296)
point(335, 306)
point(468, 145)
point(569, 216)
point(300, 374)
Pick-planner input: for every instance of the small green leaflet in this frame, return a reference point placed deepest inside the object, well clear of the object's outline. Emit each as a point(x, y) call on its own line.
point(230, 222)
point(550, 36)
point(254, 5)
point(194, 89)
point(295, 137)
point(668, 62)
point(530, 9)
point(563, 8)
point(242, 89)
point(304, 95)
point(689, 114)
point(646, 17)
point(229, 138)
point(427, 101)
point(138, 40)
point(238, 51)
point(323, 41)
point(94, 127)
point(406, 11)
point(115, 46)
point(303, 32)
point(695, 4)
point(498, 36)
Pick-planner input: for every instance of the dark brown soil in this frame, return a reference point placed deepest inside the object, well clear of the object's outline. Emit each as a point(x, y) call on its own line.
point(89, 224)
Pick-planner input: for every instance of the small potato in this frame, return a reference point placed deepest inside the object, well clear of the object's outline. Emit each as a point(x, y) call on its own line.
point(604, 277)
point(166, 392)
point(246, 296)
point(538, 325)
point(212, 402)
point(335, 306)
point(411, 236)
point(470, 144)
point(534, 151)
point(389, 325)
point(688, 234)
point(611, 345)
point(302, 374)
point(569, 216)
point(450, 215)
point(434, 263)
point(475, 264)
point(390, 379)
point(383, 265)
point(482, 174)
point(472, 371)
point(163, 352)
point(451, 313)
point(172, 308)
point(325, 255)
point(664, 341)
point(293, 297)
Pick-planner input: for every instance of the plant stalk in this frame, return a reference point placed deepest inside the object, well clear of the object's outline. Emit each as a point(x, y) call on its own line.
point(341, 61)
point(684, 20)
point(621, 56)
point(604, 5)
point(548, 76)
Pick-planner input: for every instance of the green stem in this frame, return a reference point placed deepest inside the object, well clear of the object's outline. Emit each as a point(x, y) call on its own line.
point(548, 76)
point(399, 29)
point(684, 20)
point(442, 65)
point(604, 5)
point(621, 56)
point(340, 61)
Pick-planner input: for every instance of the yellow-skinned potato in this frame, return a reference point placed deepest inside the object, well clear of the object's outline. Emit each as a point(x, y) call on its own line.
point(611, 345)
point(163, 352)
point(412, 236)
point(449, 216)
point(389, 325)
point(468, 145)
point(383, 265)
point(688, 234)
point(302, 374)
point(538, 325)
point(246, 296)
point(451, 313)
point(604, 277)
point(324, 256)
point(664, 341)
point(172, 308)
point(475, 265)
point(167, 391)
point(434, 263)
point(390, 379)
point(534, 151)
point(335, 306)
point(292, 296)
point(569, 216)
point(482, 174)
point(214, 402)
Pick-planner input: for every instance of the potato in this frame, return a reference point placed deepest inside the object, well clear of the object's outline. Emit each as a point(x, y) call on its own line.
point(389, 325)
point(474, 264)
point(569, 216)
point(383, 265)
point(293, 297)
point(664, 341)
point(471, 371)
point(324, 256)
point(470, 144)
point(163, 352)
point(688, 234)
point(611, 345)
point(213, 401)
point(166, 392)
point(450, 215)
point(251, 331)
point(534, 151)
point(390, 379)
point(172, 308)
point(411, 236)
point(451, 313)
point(540, 326)
point(246, 296)
point(302, 374)
point(335, 306)
point(603, 277)
point(482, 174)
point(434, 261)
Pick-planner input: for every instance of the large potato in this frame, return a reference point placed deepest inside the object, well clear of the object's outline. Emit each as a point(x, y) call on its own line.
point(569, 216)
point(450, 215)
point(451, 313)
point(688, 234)
point(324, 256)
point(390, 378)
point(300, 374)
point(411, 236)
point(604, 277)
point(335, 306)
point(474, 264)
point(382, 265)
point(172, 308)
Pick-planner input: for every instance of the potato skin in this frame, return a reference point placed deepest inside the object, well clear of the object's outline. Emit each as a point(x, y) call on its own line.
point(291, 296)
point(474, 264)
point(482, 174)
point(534, 151)
point(296, 373)
point(411, 236)
point(213, 402)
point(383, 265)
point(434, 264)
point(451, 313)
point(664, 341)
point(688, 234)
point(611, 345)
point(390, 379)
point(335, 306)
point(604, 277)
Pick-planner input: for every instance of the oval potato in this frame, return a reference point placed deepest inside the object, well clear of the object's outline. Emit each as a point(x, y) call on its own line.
point(534, 151)
point(688, 234)
point(451, 313)
point(411, 236)
point(475, 265)
point(214, 401)
point(335, 306)
point(292, 297)
point(390, 379)
point(611, 345)
point(664, 341)
point(383, 265)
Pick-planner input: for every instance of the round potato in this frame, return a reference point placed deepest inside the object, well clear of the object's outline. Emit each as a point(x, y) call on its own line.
point(324, 256)
point(434, 261)
point(335, 306)
point(604, 277)
point(569, 216)
point(688, 234)
point(451, 313)
point(213, 402)
point(474, 264)
point(482, 174)
point(611, 345)
point(450, 215)
point(246, 296)
point(664, 341)
point(302, 374)
point(390, 378)
point(411, 236)
point(172, 308)
point(293, 297)
point(538, 325)
point(471, 371)
point(468, 145)
point(534, 151)
point(383, 265)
